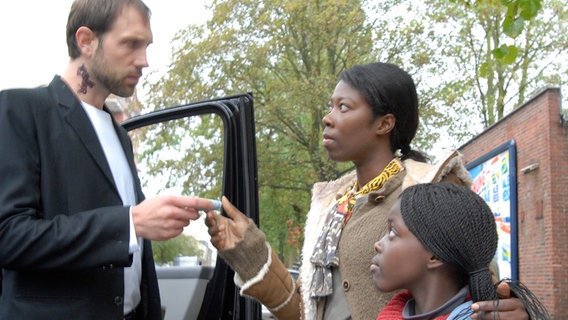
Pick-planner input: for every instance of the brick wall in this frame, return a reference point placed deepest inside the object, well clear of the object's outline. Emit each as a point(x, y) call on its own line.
point(542, 194)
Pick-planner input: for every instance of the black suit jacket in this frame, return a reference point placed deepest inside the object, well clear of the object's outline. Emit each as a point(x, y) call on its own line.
point(63, 230)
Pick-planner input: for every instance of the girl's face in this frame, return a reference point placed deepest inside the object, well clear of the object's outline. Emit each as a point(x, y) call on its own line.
point(350, 133)
point(401, 259)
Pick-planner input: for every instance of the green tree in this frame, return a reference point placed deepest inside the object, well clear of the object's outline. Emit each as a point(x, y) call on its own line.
point(469, 80)
point(498, 67)
point(183, 245)
point(518, 12)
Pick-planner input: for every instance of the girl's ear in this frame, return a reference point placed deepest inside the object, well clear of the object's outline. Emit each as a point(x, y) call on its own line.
point(385, 124)
point(434, 262)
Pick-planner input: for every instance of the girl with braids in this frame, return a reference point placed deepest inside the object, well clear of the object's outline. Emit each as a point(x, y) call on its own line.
point(373, 112)
point(440, 241)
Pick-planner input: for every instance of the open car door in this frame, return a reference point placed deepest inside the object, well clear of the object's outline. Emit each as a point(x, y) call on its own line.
point(171, 146)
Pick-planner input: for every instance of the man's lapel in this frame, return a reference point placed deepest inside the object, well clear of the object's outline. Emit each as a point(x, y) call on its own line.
point(79, 121)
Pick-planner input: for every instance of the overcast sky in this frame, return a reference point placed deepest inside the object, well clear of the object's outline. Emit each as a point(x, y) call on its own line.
point(32, 34)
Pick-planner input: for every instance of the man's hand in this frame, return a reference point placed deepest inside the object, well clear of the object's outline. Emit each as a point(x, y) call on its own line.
point(164, 217)
point(508, 308)
point(225, 232)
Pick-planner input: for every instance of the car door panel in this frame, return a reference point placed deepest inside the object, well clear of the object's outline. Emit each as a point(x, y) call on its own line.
point(207, 292)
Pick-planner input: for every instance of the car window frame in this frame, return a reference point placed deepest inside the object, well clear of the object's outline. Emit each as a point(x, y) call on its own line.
point(239, 183)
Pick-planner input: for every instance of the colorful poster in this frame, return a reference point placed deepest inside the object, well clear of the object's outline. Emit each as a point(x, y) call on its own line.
point(494, 179)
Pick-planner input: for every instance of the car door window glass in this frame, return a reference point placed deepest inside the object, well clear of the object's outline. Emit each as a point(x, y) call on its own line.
point(182, 157)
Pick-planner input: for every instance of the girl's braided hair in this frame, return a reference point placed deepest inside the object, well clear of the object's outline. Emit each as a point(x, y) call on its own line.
point(458, 227)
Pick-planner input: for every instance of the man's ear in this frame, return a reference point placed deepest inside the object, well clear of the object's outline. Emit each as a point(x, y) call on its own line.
point(86, 41)
point(385, 124)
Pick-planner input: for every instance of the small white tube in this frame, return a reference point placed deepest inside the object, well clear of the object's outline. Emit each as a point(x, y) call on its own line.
point(216, 207)
point(216, 204)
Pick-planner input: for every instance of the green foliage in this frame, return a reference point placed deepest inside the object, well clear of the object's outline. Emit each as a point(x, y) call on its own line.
point(506, 53)
point(517, 14)
point(493, 72)
point(519, 11)
point(182, 245)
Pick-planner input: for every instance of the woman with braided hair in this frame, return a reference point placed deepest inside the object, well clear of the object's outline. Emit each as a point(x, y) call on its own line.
point(372, 119)
point(440, 241)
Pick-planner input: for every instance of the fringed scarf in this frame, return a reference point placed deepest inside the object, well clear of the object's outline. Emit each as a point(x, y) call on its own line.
point(325, 254)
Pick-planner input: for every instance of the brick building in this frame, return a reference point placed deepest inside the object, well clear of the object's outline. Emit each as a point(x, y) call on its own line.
point(539, 133)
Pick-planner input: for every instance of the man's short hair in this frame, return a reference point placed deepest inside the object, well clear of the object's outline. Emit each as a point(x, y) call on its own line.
point(97, 15)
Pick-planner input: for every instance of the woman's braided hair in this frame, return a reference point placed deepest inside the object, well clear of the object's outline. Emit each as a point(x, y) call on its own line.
point(458, 227)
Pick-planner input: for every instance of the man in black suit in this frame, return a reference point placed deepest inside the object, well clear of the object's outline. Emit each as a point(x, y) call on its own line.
point(74, 225)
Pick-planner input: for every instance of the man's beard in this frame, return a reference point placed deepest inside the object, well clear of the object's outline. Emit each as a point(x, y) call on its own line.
point(108, 78)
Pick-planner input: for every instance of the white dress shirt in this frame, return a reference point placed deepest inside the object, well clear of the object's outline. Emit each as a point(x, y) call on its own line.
point(124, 181)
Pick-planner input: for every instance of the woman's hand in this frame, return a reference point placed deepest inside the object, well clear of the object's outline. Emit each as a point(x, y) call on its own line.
point(226, 232)
point(509, 308)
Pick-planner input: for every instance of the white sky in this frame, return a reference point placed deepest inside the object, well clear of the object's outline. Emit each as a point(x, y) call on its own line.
point(32, 34)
